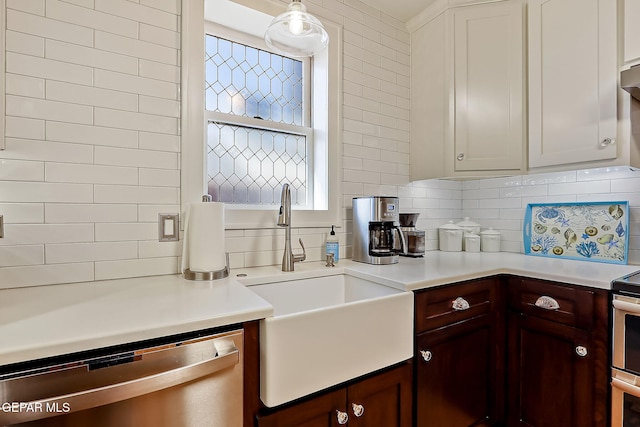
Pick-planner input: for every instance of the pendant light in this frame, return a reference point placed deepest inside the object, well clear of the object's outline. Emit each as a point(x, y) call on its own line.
point(296, 32)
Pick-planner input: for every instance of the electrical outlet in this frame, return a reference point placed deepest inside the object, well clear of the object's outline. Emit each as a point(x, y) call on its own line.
point(1, 226)
point(168, 227)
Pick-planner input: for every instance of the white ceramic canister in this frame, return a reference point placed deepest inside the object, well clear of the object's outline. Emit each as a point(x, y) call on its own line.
point(471, 242)
point(450, 237)
point(490, 240)
point(469, 226)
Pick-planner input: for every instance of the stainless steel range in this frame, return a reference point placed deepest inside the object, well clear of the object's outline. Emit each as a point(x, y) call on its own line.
point(625, 372)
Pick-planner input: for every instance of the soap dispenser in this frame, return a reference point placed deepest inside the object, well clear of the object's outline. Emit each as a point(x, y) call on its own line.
point(333, 245)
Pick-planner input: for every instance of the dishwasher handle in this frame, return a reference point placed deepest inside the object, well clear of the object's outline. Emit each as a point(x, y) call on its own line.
point(112, 393)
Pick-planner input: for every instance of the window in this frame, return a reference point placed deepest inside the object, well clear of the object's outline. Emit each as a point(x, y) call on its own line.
point(259, 134)
point(299, 144)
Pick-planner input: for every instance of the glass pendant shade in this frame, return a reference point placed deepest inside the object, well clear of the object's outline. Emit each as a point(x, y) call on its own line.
point(296, 32)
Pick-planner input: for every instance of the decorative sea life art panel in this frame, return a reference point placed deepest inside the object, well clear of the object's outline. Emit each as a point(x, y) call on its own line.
point(589, 231)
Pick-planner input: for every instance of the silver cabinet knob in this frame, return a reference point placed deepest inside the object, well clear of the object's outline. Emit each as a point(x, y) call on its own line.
point(358, 410)
point(460, 304)
point(342, 417)
point(607, 141)
point(581, 351)
point(460, 157)
point(426, 355)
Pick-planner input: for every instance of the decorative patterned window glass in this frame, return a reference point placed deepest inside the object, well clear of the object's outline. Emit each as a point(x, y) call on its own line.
point(257, 135)
point(249, 166)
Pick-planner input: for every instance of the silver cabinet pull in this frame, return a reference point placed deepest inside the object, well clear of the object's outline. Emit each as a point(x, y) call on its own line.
point(426, 355)
point(460, 157)
point(581, 351)
point(342, 417)
point(358, 410)
point(607, 141)
point(460, 304)
point(547, 303)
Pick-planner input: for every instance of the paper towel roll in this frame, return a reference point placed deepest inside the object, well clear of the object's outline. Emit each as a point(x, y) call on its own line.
point(203, 247)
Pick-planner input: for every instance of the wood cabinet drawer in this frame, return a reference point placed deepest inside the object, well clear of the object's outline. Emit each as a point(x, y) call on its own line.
point(569, 305)
point(438, 307)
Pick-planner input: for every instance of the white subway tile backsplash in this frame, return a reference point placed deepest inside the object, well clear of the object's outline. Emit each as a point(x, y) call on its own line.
point(159, 106)
point(48, 274)
point(139, 13)
point(48, 110)
point(49, 28)
point(87, 95)
point(37, 234)
point(35, 7)
point(30, 149)
point(73, 14)
point(22, 213)
point(135, 121)
point(49, 69)
point(136, 158)
point(134, 84)
point(136, 48)
point(13, 256)
point(591, 187)
point(90, 57)
point(107, 270)
point(159, 36)
point(149, 249)
point(31, 192)
point(19, 170)
point(159, 177)
point(24, 43)
point(171, 6)
point(92, 174)
point(95, 135)
point(121, 232)
point(90, 213)
point(17, 84)
point(135, 194)
point(159, 142)
point(83, 252)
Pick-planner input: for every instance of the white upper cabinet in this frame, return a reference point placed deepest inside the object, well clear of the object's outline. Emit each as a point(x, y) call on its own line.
point(488, 85)
point(429, 100)
point(631, 31)
point(572, 81)
point(467, 78)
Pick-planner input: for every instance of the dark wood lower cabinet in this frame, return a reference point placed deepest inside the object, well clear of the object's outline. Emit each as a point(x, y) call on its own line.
point(550, 384)
point(382, 399)
point(522, 353)
point(456, 386)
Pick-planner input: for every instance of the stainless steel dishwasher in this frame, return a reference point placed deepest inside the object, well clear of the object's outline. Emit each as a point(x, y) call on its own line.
point(192, 382)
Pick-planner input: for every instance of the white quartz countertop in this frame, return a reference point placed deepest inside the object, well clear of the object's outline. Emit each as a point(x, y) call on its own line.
point(47, 321)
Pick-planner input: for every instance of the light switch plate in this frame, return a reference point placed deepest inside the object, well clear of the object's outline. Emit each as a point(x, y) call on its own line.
point(168, 227)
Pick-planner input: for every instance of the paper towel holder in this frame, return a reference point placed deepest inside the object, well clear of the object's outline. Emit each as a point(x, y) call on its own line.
point(208, 275)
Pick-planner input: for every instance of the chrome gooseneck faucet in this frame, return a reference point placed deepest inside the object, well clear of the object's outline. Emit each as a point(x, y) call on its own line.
point(284, 220)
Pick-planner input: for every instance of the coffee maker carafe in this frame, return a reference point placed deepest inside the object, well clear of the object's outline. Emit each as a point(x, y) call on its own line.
point(376, 230)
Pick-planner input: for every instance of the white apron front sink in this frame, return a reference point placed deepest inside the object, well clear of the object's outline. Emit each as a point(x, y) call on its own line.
point(327, 330)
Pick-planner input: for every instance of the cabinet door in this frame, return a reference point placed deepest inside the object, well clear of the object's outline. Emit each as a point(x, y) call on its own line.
point(572, 81)
point(551, 371)
point(457, 374)
point(382, 400)
point(429, 100)
point(488, 85)
point(631, 31)
point(321, 411)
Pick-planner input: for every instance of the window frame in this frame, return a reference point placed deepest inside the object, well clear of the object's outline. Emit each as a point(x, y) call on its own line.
point(306, 129)
point(327, 122)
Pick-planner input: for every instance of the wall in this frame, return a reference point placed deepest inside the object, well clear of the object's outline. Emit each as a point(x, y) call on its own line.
point(501, 202)
point(93, 148)
point(92, 141)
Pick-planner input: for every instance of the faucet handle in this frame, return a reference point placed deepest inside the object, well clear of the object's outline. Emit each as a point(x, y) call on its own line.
point(303, 256)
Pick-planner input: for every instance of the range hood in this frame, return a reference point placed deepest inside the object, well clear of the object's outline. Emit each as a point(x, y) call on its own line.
point(630, 81)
